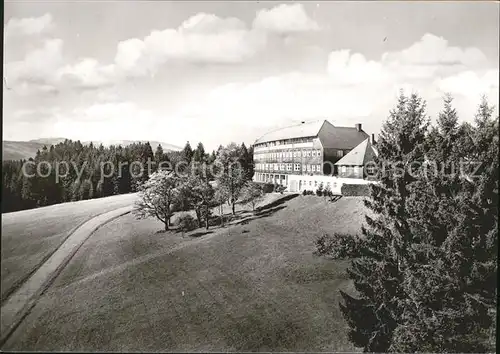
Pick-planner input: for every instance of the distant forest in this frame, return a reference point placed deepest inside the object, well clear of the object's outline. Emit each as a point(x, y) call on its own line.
point(94, 163)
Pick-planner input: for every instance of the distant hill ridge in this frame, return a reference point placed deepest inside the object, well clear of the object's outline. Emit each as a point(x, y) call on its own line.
point(17, 150)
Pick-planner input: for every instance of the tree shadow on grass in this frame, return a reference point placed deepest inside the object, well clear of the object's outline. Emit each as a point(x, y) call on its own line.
point(335, 198)
point(258, 215)
point(276, 203)
point(201, 233)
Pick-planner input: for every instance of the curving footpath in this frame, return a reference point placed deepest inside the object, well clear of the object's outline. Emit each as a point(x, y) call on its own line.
point(22, 301)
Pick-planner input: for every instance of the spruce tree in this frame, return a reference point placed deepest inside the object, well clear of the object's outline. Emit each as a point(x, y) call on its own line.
point(159, 156)
point(188, 153)
point(199, 153)
point(425, 268)
point(382, 255)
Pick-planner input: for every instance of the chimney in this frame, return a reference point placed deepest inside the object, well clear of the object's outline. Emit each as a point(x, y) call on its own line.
point(358, 127)
point(372, 139)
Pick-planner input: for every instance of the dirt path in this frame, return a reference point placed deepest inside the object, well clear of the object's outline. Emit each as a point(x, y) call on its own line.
point(20, 302)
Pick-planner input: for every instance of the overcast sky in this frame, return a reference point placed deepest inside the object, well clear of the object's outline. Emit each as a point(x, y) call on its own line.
point(230, 71)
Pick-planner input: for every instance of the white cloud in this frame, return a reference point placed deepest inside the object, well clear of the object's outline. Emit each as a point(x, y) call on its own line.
point(285, 19)
point(38, 70)
point(434, 50)
point(352, 89)
point(276, 100)
point(208, 23)
point(427, 59)
point(201, 38)
point(353, 69)
point(87, 73)
point(105, 121)
point(470, 84)
point(28, 26)
point(43, 70)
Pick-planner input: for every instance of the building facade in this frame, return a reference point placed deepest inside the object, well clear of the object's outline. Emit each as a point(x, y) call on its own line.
point(359, 162)
point(302, 156)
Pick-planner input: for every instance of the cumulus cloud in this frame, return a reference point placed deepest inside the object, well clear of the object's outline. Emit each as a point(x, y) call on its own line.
point(285, 19)
point(276, 100)
point(353, 69)
point(470, 84)
point(351, 89)
point(109, 120)
point(28, 26)
point(201, 38)
point(426, 59)
point(38, 69)
point(43, 70)
point(87, 73)
point(434, 50)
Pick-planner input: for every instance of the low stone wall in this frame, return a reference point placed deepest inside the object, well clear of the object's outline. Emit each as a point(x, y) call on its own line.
point(297, 183)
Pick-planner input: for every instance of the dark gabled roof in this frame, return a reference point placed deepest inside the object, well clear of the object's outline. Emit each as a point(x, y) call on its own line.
point(359, 156)
point(342, 138)
point(303, 130)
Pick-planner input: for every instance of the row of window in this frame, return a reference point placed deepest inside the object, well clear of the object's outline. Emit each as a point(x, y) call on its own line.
point(285, 142)
point(288, 154)
point(297, 167)
point(302, 184)
point(349, 170)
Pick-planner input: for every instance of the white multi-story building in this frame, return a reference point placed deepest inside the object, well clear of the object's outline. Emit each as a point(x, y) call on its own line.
point(308, 154)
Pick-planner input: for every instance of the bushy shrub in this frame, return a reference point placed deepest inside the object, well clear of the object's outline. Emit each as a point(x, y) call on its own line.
point(355, 190)
point(279, 189)
point(327, 192)
point(338, 246)
point(266, 187)
point(319, 190)
point(186, 222)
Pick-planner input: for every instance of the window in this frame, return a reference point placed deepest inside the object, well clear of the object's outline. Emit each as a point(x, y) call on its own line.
point(314, 168)
point(319, 153)
point(313, 153)
point(315, 183)
point(310, 183)
point(282, 167)
point(297, 167)
point(289, 167)
point(318, 168)
point(308, 167)
point(340, 153)
point(344, 169)
point(309, 153)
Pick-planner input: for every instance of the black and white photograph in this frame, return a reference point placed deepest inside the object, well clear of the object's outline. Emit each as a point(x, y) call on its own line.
point(250, 176)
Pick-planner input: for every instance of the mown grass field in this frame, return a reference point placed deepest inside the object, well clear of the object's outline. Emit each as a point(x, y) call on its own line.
point(30, 236)
point(250, 287)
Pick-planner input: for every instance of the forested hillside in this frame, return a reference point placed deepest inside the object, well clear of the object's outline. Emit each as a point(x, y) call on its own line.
point(71, 171)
